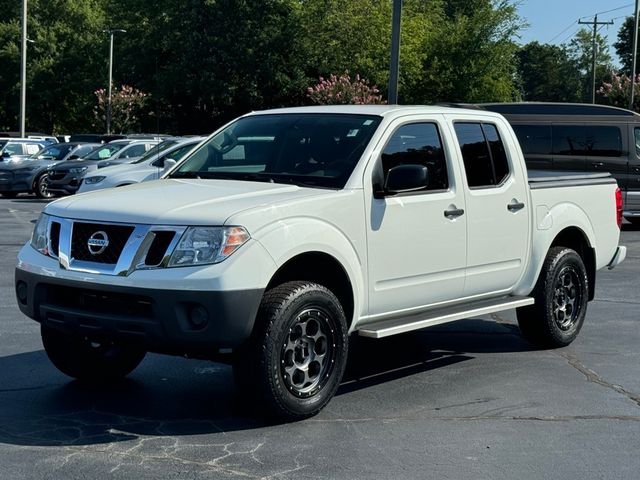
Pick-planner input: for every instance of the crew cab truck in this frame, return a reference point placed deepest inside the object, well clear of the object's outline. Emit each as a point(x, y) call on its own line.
point(287, 231)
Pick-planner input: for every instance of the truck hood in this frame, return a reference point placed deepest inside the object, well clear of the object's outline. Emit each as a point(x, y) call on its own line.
point(177, 201)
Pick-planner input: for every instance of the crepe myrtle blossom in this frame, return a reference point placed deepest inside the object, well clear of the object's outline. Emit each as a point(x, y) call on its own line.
point(341, 90)
point(126, 104)
point(618, 91)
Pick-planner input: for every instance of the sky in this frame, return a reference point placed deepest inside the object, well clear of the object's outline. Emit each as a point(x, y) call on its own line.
point(555, 21)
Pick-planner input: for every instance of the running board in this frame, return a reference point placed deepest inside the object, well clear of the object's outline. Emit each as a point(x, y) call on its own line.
point(386, 328)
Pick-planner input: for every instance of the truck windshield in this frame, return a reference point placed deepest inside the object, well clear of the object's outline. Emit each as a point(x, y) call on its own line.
point(316, 150)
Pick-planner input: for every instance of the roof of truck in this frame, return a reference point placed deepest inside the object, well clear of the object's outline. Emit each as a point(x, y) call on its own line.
point(381, 110)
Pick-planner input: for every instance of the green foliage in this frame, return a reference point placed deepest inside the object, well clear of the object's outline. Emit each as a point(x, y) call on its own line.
point(206, 61)
point(581, 51)
point(547, 73)
point(624, 45)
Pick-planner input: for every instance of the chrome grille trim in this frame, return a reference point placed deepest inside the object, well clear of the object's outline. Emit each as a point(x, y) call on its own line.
point(131, 258)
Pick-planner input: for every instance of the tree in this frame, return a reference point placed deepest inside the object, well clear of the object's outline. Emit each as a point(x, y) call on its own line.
point(341, 90)
point(548, 74)
point(581, 52)
point(617, 92)
point(127, 103)
point(624, 45)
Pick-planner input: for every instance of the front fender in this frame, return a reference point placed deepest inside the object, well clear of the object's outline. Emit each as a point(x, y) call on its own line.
point(289, 238)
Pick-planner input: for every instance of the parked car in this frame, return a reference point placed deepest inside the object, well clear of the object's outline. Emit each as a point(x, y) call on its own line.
point(288, 230)
point(149, 167)
point(64, 178)
point(20, 148)
point(30, 174)
point(580, 138)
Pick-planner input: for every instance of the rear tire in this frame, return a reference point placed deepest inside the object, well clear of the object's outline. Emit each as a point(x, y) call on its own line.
point(298, 352)
point(561, 296)
point(81, 358)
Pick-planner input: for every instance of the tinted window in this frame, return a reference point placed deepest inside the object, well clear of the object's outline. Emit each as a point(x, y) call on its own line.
point(475, 154)
point(603, 141)
point(636, 133)
point(103, 152)
point(134, 151)
point(418, 144)
point(483, 153)
point(13, 148)
point(309, 149)
point(54, 152)
point(534, 139)
point(569, 140)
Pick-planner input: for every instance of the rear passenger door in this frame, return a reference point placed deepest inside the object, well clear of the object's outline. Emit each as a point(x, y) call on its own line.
point(497, 209)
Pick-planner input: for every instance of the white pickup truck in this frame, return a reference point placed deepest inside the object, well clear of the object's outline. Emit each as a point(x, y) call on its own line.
point(289, 230)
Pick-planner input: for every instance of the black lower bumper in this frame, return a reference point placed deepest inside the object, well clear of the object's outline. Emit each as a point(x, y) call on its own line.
point(198, 323)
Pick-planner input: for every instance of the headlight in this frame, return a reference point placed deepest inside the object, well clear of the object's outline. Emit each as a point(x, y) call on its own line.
point(39, 236)
point(93, 180)
point(77, 169)
point(205, 245)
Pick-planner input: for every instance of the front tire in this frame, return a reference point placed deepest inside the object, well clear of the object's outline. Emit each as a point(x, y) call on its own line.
point(298, 352)
point(561, 295)
point(86, 360)
point(41, 186)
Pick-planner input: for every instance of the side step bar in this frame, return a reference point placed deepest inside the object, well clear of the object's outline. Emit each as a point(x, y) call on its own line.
point(394, 326)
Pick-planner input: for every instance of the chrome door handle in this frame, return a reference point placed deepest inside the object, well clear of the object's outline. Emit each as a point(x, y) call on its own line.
point(598, 164)
point(514, 207)
point(453, 213)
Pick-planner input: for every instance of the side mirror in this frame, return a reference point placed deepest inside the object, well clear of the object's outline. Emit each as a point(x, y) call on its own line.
point(6, 154)
point(169, 163)
point(406, 178)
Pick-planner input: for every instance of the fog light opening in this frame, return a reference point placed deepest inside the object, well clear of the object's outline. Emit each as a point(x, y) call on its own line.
point(198, 316)
point(21, 292)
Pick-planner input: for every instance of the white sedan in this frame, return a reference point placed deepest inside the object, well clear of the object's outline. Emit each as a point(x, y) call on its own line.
point(149, 167)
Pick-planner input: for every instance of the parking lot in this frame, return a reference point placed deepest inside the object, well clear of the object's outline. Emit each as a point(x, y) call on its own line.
point(466, 400)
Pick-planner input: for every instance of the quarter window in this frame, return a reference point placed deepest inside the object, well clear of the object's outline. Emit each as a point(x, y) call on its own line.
point(483, 153)
point(418, 144)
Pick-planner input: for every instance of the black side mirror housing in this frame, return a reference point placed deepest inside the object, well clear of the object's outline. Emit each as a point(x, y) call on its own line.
point(406, 178)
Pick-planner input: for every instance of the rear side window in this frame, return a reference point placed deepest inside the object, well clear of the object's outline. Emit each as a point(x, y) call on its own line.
point(534, 139)
point(569, 140)
point(483, 153)
point(603, 141)
point(418, 144)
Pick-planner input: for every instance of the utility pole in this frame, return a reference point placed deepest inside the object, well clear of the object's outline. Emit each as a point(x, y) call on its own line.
point(111, 33)
point(635, 55)
point(594, 52)
point(23, 72)
point(394, 67)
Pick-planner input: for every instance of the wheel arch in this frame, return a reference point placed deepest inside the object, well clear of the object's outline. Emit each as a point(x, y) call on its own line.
point(575, 239)
point(321, 268)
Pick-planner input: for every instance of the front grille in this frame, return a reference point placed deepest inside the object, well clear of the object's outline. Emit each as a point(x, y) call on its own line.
point(55, 238)
point(117, 236)
point(97, 302)
point(158, 247)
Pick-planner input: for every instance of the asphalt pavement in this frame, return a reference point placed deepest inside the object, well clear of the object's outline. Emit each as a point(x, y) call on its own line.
point(469, 400)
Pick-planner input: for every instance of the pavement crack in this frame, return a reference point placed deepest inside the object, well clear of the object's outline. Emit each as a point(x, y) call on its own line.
point(593, 377)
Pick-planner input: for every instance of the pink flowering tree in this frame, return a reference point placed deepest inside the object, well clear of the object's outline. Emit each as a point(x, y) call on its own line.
point(342, 90)
point(618, 91)
point(127, 104)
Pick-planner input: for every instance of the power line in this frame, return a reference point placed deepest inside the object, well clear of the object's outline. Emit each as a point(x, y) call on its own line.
point(608, 11)
point(570, 36)
point(570, 25)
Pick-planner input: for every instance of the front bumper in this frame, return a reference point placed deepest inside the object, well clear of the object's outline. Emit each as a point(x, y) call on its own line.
point(67, 184)
point(198, 323)
point(12, 182)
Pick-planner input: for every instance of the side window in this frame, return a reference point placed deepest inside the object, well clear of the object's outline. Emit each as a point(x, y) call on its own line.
point(636, 134)
point(534, 139)
point(483, 153)
point(418, 144)
point(603, 141)
point(568, 140)
point(134, 151)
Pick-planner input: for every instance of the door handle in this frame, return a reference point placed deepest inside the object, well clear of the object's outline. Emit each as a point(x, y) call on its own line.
point(598, 164)
point(515, 206)
point(453, 213)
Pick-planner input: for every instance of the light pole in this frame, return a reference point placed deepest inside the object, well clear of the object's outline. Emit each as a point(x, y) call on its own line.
point(394, 66)
point(111, 33)
point(23, 71)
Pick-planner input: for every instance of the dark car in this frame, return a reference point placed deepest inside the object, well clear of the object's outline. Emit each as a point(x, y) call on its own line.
point(30, 174)
point(21, 147)
point(580, 137)
point(64, 178)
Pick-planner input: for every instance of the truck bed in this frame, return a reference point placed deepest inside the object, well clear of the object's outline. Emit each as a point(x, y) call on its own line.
point(554, 178)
